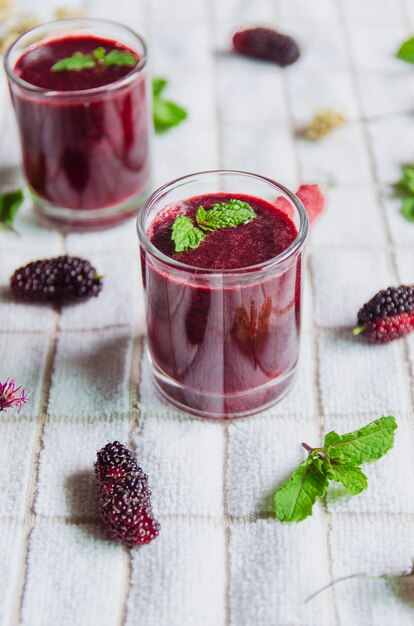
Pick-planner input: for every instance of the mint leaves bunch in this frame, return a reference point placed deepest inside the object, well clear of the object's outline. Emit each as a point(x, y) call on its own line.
point(406, 188)
point(166, 113)
point(339, 460)
point(186, 235)
point(99, 58)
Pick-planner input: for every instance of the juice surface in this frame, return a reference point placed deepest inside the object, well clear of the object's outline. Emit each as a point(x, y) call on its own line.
point(264, 237)
point(34, 66)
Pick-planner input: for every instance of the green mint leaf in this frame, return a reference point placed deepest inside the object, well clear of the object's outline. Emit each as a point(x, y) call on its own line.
point(366, 444)
point(225, 215)
point(10, 203)
point(120, 57)
point(407, 180)
point(167, 114)
point(185, 235)
point(407, 209)
point(406, 51)
point(76, 62)
point(351, 476)
point(295, 499)
point(158, 85)
point(99, 53)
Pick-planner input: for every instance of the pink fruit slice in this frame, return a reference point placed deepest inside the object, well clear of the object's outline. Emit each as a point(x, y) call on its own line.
point(312, 197)
point(314, 200)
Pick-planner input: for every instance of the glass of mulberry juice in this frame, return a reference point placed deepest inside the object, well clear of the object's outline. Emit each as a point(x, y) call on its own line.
point(222, 259)
point(80, 92)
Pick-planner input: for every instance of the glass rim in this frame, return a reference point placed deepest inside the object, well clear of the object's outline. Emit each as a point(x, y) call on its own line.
point(295, 246)
point(77, 21)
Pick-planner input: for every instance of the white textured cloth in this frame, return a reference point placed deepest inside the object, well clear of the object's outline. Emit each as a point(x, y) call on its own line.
point(221, 558)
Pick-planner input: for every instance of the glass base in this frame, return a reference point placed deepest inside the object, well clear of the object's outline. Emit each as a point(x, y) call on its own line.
point(223, 406)
point(87, 219)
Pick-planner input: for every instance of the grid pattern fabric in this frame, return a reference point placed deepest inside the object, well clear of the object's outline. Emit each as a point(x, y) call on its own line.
point(221, 559)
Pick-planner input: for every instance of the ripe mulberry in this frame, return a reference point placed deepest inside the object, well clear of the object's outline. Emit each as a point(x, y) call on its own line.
point(388, 315)
point(125, 496)
point(266, 44)
point(60, 279)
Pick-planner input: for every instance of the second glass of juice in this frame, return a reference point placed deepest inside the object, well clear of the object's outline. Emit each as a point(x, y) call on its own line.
point(224, 318)
point(84, 132)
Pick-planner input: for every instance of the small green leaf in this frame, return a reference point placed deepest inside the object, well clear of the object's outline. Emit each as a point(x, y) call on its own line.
point(120, 57)
point(406, 51)
point(158, 85)
point(407, 209)
point(185, 235)
point(295, 499)
point(167, 114)
point(10, 203)
point(366, 444)
point(99, 53)
point(351, 476)
point(76, 62)
point(407, 180)
point(224, 215)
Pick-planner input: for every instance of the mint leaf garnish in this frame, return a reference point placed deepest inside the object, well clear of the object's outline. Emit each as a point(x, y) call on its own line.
point(120, 57)
point(294, 501)
point(406, 51)
point(338, 460)
point(76, 62)
point(366, 444)
point(225, 214)
point(185, 235)
point(99, 54)
point(99, 58)
point(221, 215)
point(10, 203)
point(166, 113)
point(351, 476)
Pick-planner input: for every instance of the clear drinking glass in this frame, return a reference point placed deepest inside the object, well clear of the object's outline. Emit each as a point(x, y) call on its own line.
point(223, 344)
point(85, 152)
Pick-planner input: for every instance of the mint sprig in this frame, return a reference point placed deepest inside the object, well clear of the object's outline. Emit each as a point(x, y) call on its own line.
point(187, 235)
point(294, 501)
point(10, 202)
point(166, 113)
point(406, 51)
point(99, 58)
point(338, 460)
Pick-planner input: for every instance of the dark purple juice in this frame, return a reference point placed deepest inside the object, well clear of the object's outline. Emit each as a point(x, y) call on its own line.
point(227, 340)
point(83, 150)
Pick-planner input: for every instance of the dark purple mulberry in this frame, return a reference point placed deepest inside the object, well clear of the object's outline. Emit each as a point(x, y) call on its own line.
point(125, 496)
point(60, 279)
point(266, 44)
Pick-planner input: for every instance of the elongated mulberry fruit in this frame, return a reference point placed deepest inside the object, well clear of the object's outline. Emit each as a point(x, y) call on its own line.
point(388, 315)
point(60, 279)
point(266, 44)
point(125, 496)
